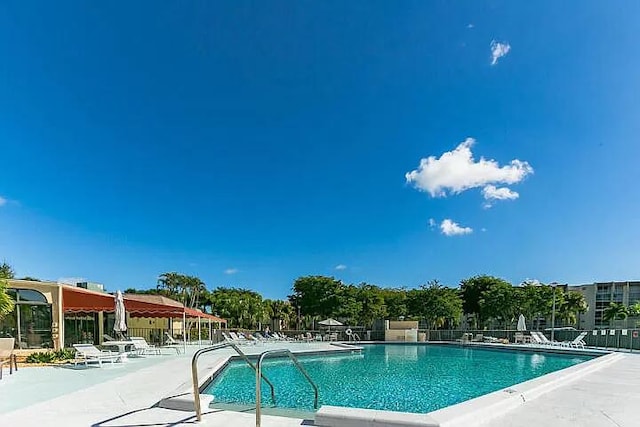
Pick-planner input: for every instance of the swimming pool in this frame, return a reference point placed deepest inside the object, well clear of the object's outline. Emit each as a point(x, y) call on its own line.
point(406, 378)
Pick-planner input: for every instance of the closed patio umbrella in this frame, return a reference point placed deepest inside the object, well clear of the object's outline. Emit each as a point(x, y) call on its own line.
point(522, 324)
point(120, 325)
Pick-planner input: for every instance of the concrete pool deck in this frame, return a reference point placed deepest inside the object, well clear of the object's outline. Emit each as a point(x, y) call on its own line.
point(122, 394)
point(601, 397)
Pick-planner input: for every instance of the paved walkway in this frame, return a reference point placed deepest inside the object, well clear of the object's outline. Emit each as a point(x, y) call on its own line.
point(609, 397)
point(128, 400)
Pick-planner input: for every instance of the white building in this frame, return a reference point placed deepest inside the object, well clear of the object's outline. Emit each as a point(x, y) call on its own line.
point(599, 295)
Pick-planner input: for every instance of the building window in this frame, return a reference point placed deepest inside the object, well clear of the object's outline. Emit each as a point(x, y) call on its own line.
point(30, 321)
point(80, 328)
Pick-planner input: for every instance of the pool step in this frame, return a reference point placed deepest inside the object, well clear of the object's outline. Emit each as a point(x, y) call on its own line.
point(266, 410)
point(335, 416)
point(185, 402)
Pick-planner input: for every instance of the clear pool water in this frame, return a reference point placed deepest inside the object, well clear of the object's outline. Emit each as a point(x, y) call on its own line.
point(407, 378)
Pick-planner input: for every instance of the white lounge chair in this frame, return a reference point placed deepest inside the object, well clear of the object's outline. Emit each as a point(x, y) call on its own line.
point(261, 338)
point(545, 340)
point(86, 353)
point(239, 338)
point(170, 342)
point(535, 338)
point(142, 347)
point(252, 339)
point(281, 337)
point(227, 338)
point(578, 342)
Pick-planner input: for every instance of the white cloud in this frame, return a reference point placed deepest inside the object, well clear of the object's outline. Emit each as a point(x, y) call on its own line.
point(491, 192)
point(432, 222)
point(3, 201)
point(498, 50)
point(231, 271)
point(450, 228)
point(341, 267)
point(470, 26)
point(456, 171)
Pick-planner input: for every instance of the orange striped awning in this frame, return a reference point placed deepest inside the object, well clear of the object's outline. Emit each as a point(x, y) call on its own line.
point(79, 300)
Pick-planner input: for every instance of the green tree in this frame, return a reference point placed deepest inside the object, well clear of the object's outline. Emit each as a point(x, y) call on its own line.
point(6, 271)
point(528, 301)
point(498, 301)
point(395, 302)
point(573, 303)
point(436, 304)
point(278, 312)
point(615, 311)
point(316, 296)
point(349, 307)
point(184, 288)
point(6, 302)
point(634, 309)
point(471, 290)
point(535, 301)
point(372, 304)
point(242, 308)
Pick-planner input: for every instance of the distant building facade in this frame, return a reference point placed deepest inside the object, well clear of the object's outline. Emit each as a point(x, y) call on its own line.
point(599, 295)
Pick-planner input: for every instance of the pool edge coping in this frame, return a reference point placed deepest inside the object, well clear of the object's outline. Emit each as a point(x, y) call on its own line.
point(468, 413)
point(489, 406)
point(182, 398)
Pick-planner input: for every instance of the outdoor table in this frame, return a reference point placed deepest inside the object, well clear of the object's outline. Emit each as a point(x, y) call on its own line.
point(122, 348)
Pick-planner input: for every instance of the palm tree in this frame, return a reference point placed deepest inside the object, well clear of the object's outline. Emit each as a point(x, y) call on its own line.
point(277, 311)
point(6, 302)
point(616, 311)
point(574, 303)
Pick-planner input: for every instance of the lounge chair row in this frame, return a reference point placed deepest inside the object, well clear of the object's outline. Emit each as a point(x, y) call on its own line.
point(540, 339)
point(240, 338)
point(88, 353)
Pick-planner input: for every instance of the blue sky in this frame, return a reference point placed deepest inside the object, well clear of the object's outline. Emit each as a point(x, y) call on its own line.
point(250, 143)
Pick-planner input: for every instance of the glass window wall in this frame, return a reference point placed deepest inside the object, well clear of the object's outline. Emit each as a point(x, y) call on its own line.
point(30, 321)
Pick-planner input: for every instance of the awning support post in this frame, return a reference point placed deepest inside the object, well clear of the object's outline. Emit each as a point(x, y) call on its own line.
point(199, 335)
point(184, 331)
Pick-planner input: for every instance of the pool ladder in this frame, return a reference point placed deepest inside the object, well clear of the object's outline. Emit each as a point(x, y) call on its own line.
point(259, 375)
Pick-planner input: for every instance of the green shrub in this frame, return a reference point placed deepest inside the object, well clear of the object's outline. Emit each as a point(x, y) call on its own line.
point(41, 357)
point(65, 354)
point(51, 356)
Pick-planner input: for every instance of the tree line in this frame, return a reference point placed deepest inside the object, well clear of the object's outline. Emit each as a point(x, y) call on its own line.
point(483, 301)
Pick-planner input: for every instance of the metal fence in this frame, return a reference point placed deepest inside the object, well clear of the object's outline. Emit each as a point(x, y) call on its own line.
point(628, 339)
point(158, 336)
point(612, 339)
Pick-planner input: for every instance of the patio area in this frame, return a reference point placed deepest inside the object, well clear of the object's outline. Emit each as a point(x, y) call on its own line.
point(127, 395)
point(119, 394)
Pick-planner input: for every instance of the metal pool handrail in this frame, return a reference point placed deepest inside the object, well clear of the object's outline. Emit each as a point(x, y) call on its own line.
point(194, 373)
point(297, 364)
